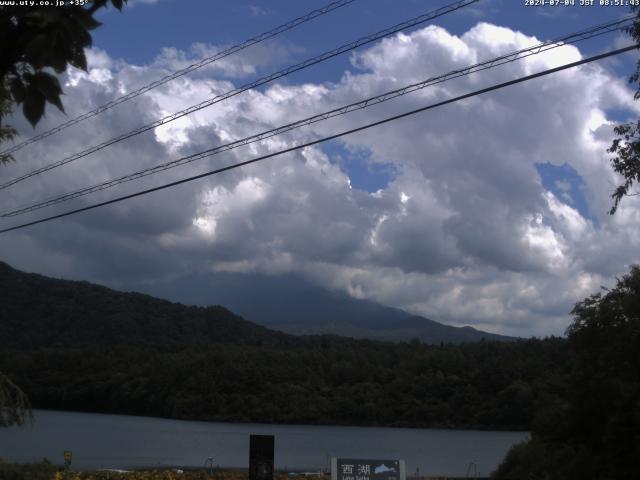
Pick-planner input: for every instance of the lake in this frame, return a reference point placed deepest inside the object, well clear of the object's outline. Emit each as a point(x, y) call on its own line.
point(119, 441)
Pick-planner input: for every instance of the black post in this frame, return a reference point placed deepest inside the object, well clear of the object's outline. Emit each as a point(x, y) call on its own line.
point(261, 457)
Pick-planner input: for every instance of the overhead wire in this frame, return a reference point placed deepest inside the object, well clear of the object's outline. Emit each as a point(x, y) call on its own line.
point(500, 60)
point(184, 71)
point(328, 138)
point(452, 7)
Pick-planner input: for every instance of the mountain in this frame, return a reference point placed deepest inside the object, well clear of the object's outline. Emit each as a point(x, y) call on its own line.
point(37, 311)
point(83, 347)
point(291, 304)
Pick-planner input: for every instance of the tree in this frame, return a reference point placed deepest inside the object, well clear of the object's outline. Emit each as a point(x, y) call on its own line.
point(605, 394)
point(597, 437)
point(7, 132)
point(34, 41)
point(15, 408)
point(626, 146)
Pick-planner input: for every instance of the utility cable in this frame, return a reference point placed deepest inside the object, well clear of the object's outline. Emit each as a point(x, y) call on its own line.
point(206, 61)
point(325, 139)
point(362, 104)
point(261, 81)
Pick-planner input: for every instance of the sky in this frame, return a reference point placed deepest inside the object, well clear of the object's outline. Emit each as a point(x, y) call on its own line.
point(490, 212)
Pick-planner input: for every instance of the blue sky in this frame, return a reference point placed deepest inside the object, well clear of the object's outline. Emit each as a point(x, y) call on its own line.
point(144, 27)
point(565, 183)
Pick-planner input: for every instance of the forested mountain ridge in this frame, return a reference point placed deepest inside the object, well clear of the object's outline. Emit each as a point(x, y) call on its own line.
point(37, 311)
point(77, 346)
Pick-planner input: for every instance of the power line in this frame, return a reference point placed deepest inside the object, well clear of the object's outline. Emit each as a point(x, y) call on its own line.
point(362, 104)
point(331, 137)
point(261, 81)
point(206, 61)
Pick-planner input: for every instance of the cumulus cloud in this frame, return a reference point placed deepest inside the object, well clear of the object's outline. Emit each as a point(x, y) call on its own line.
point(464, 233)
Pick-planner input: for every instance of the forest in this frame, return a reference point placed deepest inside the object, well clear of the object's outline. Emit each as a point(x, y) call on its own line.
point(83, 347)
point(323, 380)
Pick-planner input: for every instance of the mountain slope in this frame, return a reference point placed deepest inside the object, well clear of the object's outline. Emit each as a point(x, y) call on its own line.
point(291, 304)
point(38, 311)
point(77, 346)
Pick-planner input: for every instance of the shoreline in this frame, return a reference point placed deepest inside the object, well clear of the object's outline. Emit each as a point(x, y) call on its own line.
point(476, 428)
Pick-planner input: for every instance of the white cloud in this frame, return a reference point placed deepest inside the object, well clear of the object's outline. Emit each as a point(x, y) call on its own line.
point(465, 233)
point(257, 11)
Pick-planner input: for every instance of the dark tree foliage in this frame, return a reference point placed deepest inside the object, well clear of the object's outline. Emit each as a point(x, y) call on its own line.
point(37, 312)
point(627, 146)
point(15, 408)
point(7, 132)
point(605, 341)
point(596, 433)
point(35, 42)
point(315, 380)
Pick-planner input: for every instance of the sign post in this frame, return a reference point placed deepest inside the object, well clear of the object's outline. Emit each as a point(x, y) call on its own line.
point(209, 464)
point(366, 469)
point(261, 457)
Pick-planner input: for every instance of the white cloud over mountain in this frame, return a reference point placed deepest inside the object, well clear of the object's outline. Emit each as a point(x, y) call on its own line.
point(465, 232)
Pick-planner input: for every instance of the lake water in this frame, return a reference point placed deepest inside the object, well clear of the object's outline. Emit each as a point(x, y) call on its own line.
point(119, 441)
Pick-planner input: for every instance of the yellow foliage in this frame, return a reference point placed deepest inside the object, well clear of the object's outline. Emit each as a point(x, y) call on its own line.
point(164, 475)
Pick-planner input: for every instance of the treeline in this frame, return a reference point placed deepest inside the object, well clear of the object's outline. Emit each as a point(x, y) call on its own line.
point(321, 380)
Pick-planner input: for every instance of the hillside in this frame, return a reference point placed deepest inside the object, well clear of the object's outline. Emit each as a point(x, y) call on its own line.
point(291, 304)
point(77, 346)
point(38, 311)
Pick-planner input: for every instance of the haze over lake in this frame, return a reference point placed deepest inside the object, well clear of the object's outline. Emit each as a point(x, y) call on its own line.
point(119, 441)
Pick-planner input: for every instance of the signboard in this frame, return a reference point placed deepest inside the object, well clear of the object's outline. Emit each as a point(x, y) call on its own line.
point(364, 469)
point(261, 457)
